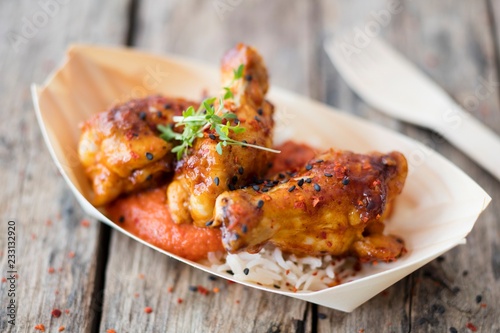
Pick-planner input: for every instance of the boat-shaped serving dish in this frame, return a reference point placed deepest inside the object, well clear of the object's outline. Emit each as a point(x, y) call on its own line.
point(435, 212)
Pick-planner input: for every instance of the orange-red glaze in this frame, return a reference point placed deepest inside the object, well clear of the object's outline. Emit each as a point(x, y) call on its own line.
point(146, 215)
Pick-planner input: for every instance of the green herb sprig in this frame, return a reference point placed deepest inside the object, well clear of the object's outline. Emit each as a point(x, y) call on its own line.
point(195, 122)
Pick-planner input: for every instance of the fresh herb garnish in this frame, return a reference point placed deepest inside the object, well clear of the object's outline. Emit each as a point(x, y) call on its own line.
point(195, 122)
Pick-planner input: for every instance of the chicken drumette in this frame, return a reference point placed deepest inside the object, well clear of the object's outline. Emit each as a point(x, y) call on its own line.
point(335, 205)
point(204, 173)
point(121, 149)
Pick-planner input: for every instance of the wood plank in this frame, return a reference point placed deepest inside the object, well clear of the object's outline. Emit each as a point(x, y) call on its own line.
point(33, 192)
point(195, 30)
point(453, 43)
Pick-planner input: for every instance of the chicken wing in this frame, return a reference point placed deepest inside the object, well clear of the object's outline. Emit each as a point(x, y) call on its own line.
point(335, 205)
point(121, 150)
point(204, 174)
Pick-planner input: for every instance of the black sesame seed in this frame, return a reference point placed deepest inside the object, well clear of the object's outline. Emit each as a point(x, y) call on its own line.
point(211, 136)
point(319, 161)
point(328, 175)
point(241, 170)
point(300, 182)
point(453, 330)
point(465, 273)
point(259, 111)
point(256, 187)
point(212, 278)
point(440, 309)
point(276, 286)
point(193, 288)
point(260, 204)
point(216, 181)
point(317, 188)
point(265, 189)
point(244, 229)
point(321, 315)
point(440, 259)
point(291, 188)
point(257, 118)
point(246, 271)
point(167, 106)
point(230, 272)
point(479, 298)
point(231, 187)
point(455, 290)
point(259, 181)
point(308, 180)
point(248, 77)
point(309, 167)
point(270, 164)
point(121, 219)
point(159, 114)
point(142, 115)
point(149, 177)
point(209, 223)
point(345, 180)
point(281, 176)
point(234, 180)
point(149, 156)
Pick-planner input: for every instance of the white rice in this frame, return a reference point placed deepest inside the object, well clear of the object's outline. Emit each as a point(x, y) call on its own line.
point(271, 268)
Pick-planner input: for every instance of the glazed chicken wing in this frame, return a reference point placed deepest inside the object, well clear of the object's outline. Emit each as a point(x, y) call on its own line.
point(204, 174)
point(121, 150)
point(335, 205)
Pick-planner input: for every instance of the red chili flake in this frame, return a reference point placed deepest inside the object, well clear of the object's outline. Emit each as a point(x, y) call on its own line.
point(4, 280)
point(287, 272)
point(216, 290)
point(71, 254)
point(61, 328)
point(203, 290)
point(110, 330)
point(51, 270)
point(134, 155)
point(56, 313)
point(329, 244)
point(299, 205)
point(230, 282)
point(33, 236)
point(385, 293)
point(136, 295)
point(148, 309)
point(471, 327)
point(48, 223)
point(483, 305)
point(374, 263)
point(170, 289)
point(179, 300)
point(141, 276)
point(85, 223)
point(323, 235)
point(40, 327)
point(237, 301)
point(315, 273)
point(66, 311)
point(361, 330)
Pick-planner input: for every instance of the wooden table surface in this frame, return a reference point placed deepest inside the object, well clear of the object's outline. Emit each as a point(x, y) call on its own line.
point(102, 280)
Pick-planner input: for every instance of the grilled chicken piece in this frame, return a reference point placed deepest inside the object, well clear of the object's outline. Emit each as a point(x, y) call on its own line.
point(121, 150)
point(204, 174)
point(335, 205)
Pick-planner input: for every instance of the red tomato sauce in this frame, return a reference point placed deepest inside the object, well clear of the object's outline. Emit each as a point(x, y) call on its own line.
point(146, 215)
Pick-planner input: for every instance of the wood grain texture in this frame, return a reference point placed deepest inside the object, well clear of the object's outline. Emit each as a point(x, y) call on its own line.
point(33, 193)
point(452, 42)
point(163, 28)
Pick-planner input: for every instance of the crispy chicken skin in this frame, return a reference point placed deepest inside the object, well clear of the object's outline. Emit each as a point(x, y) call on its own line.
point(335, 205)
point(121, 150)
point(204, 174)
